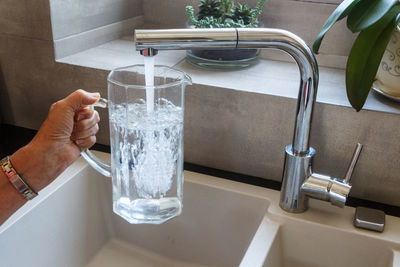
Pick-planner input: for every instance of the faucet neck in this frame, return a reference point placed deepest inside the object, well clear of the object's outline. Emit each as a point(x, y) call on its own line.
point(303, 56)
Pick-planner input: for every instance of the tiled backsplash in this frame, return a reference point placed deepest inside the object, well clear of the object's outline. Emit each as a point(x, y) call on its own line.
point(78, 25)
point(76, 16)
point(27, 18)
point(246, 133)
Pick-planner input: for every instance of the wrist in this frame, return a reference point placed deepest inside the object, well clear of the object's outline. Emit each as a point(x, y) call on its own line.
point(29, 163)
point(16, 180)
point(39, 163)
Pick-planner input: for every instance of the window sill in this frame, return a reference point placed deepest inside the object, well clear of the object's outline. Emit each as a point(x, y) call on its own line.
point(268, 77)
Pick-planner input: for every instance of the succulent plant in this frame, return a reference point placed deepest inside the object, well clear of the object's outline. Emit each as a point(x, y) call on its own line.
point(209, 8)
point(226, 6)
point(242, 12)
point(224, 14)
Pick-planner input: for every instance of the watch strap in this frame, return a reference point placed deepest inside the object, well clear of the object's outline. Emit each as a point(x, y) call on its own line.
point(16, 180)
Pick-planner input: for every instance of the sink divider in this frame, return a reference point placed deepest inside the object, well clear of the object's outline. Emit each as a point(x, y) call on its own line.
point(263, 246)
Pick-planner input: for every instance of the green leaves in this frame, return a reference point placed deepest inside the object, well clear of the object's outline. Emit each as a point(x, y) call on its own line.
point(375, 20)
point(367, 12)
point(361, 14)
point(366, 55)
point(340, 12)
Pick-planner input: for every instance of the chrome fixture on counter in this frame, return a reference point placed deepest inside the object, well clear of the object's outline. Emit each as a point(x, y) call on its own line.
point(299, 182)
point(369, 219)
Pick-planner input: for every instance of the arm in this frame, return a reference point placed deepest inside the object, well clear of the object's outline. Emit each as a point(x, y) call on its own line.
point(69, 128)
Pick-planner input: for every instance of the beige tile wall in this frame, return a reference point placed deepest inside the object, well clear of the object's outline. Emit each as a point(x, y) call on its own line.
point(30, 79)
point(79, 25)
point(33, 80)
point(26, 18)
point(75, 16)
point(247, 132)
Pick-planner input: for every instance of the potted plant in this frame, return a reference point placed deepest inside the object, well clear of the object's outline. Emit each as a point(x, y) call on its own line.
point(375, 21)
point(224, 14)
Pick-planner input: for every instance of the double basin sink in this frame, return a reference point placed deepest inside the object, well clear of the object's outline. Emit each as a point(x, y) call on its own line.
point(223, 223)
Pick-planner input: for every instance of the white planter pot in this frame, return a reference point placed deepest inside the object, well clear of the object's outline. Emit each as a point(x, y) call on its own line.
point(388, 76)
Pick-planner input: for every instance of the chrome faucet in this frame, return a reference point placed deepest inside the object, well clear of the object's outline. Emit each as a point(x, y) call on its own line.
point(298, 182)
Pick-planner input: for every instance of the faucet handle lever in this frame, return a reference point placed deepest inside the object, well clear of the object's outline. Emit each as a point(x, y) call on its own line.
point(353, 163)
point(340, 189)
point(331, 189)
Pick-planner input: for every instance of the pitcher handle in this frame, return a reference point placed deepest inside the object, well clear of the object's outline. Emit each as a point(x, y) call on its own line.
point(90, 158)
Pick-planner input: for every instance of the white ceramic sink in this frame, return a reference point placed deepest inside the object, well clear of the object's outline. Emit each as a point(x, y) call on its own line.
point(302, 244)
point(323, 236)
point(223, 223)
point(72, 224)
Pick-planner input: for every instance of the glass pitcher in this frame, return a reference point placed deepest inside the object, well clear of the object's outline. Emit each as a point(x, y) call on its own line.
point(146, 143)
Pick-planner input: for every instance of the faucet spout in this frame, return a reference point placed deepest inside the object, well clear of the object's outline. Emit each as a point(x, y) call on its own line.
point(299, 154)
point(149, 52)
point(184, 39)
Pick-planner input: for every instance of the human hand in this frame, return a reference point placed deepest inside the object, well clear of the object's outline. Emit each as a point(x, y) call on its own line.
point(69, 128)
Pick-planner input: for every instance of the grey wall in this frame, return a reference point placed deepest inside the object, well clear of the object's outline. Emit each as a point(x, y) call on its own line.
point(25, 46)
point(30, 79)
point(246, 133)
point(79, 25)
point(30, 19)
point(76, 16)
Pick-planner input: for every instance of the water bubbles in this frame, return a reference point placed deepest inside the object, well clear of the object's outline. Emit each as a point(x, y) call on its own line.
point(149, 146)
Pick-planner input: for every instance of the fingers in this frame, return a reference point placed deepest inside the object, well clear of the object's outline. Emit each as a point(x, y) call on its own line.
point(85, 127)
point(86, 142)
point(81, 98)
point(85, 119)
point(86, 138)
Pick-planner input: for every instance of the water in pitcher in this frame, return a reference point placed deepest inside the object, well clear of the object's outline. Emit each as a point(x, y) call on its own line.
point(147, 152)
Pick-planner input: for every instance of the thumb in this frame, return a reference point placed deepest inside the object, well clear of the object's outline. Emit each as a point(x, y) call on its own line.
point(81, 98)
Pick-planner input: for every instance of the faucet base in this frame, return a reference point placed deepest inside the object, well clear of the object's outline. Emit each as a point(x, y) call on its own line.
point(296, 170)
